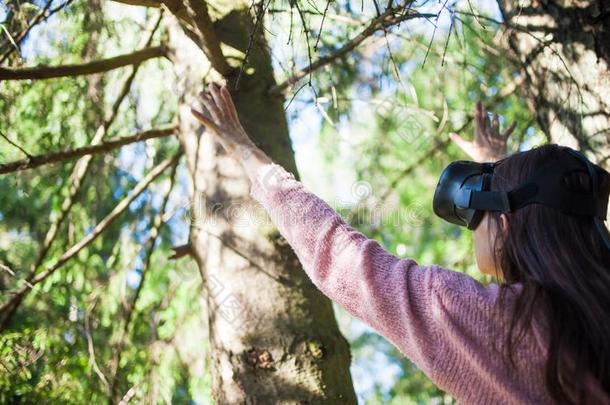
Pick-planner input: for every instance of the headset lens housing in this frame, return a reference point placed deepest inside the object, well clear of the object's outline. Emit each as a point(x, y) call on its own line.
point(454, 189)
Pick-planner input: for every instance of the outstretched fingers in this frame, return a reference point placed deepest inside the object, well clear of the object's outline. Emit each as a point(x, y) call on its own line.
point(510, 130)
point(229, 104)
point(206, 121)
point(495, 125)
point(221, 103)
point(218, 100)
point(479, 118)
point(487, 122)
point(211, 106)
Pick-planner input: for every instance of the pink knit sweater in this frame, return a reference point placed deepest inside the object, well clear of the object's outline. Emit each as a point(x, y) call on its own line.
point(440, 319)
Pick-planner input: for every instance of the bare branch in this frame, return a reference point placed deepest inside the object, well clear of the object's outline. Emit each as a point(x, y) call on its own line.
point(6, 138)
point(130, 394)
point(306, 31)
point(91, 349)
point(108, 146)
point(97, 230)
point(15, 38)
point(40, 17)
point(198, 10)
point(181, 251)
point(178, 8)
point(143, 3)
point(259, 16)
point(448, 37)
point(387, 19)
point(433, 33)
point(322, 24)
point(11, 40)
point(7, 269)
point(98, 66)
point(150, 246)
point(341, 18)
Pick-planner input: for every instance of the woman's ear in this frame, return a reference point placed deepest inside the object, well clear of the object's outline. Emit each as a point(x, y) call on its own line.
point(504, 223)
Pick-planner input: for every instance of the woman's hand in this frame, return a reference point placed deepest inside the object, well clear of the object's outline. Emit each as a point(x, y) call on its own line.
point(489, 144)
point(221, 119)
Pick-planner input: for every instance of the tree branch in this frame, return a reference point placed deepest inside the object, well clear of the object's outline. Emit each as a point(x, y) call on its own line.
point(6, 138)
point(341, 18)
point(181, 251)
point(7, 269)
point(177, 8)
point(389, 18)
point(20, 293)
point(98, 66)
point(91, 348)
point(110, 145)
point(143, 3)
point(198, 10)
point(40, 17)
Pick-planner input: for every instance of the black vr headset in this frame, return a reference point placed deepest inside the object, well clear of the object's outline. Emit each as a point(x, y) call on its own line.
point(463, 192)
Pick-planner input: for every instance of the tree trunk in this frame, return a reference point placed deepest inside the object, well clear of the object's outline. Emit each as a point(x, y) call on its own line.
point(273, 335)
point(563, 49)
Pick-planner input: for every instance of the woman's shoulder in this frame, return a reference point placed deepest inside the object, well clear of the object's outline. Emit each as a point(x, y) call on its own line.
point(486, 307)
point(473, 319)
point(484, 311)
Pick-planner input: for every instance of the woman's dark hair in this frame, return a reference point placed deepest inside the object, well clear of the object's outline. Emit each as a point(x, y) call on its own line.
point(563, 265)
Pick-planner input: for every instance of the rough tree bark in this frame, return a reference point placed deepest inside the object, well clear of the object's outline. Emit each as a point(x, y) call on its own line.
point(273, 335)
point(563, 48)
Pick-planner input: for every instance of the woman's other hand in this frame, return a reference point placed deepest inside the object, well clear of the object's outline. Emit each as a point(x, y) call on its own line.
point(489, 143)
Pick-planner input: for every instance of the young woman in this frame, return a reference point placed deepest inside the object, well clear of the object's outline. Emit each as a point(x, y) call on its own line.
point(541, 336)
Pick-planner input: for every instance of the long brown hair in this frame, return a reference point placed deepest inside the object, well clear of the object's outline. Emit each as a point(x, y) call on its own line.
point(563, 265)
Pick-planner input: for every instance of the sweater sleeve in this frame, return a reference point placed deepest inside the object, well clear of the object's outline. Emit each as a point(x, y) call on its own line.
point(401, 300)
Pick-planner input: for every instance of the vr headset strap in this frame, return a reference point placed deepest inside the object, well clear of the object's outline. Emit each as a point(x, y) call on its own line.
point(545, 187)
point(569, 203)
point(490, 201)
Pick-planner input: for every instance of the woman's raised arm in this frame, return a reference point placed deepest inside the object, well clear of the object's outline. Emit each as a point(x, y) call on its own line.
point(410, 305)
